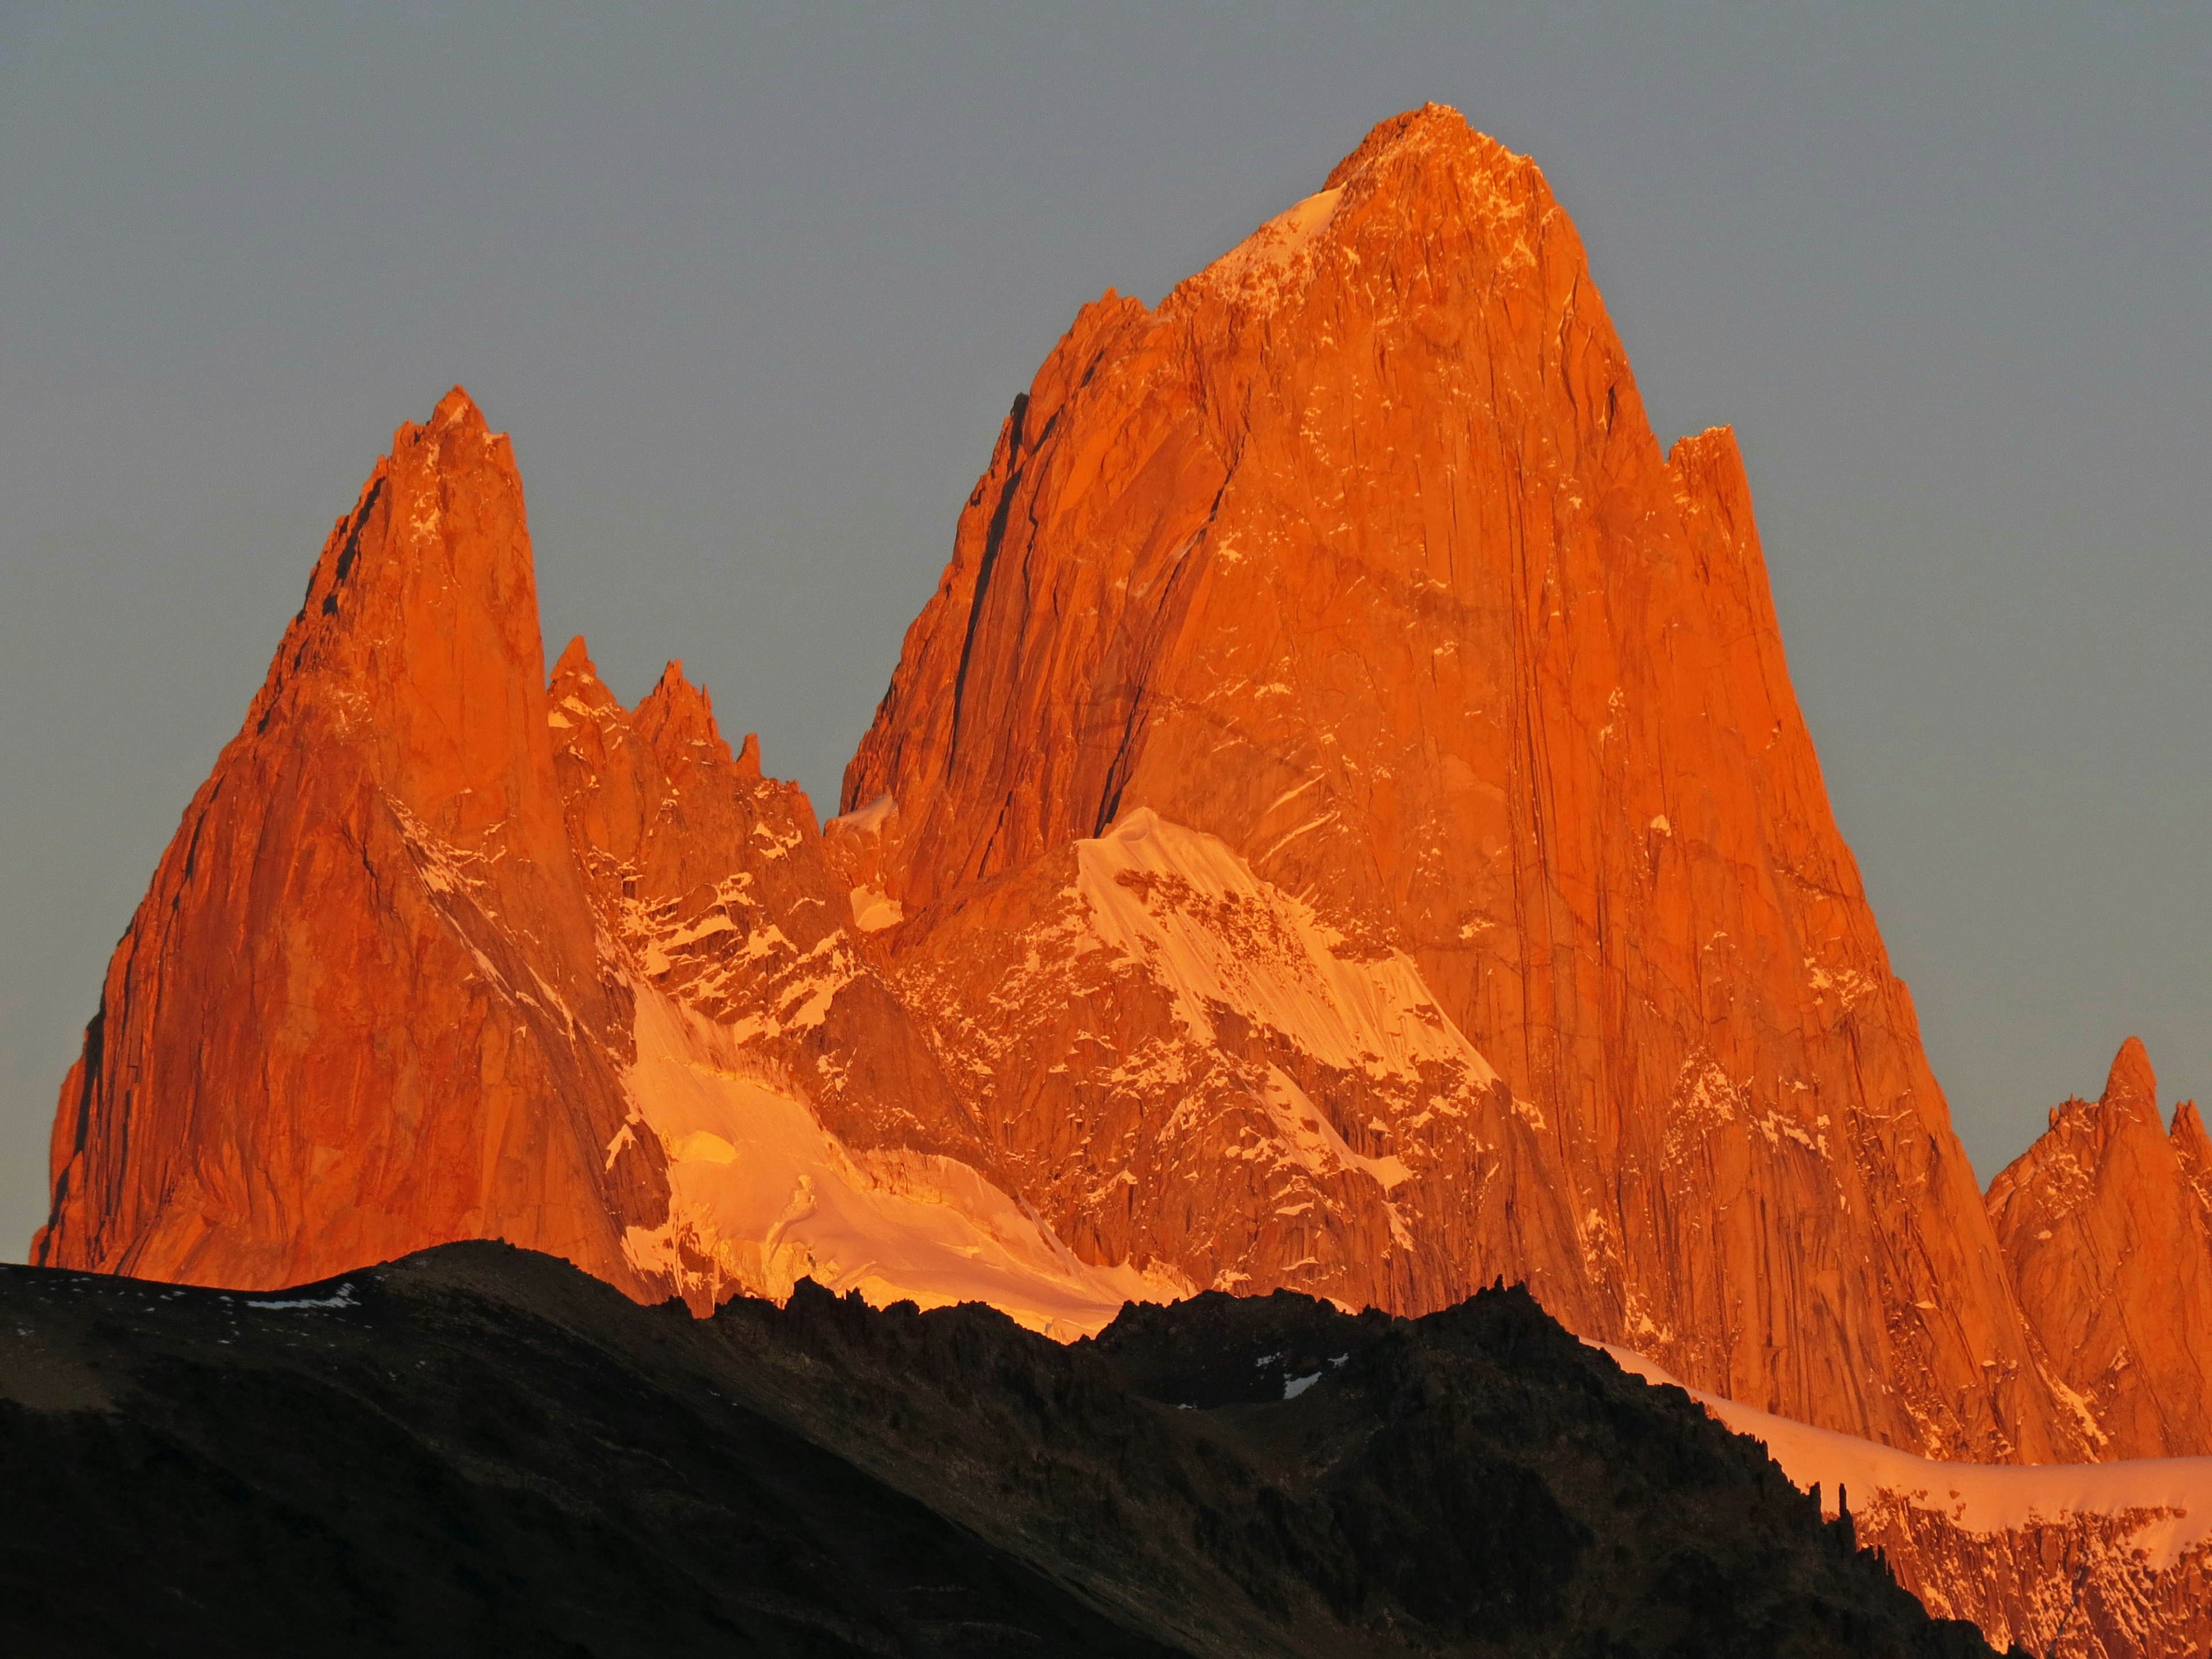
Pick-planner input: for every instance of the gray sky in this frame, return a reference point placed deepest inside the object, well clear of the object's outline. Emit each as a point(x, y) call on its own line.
point(752, 286)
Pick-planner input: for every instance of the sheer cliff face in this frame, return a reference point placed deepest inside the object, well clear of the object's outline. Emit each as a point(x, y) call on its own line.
point(2106, 1222)
point(359, 1011)
point(1355, 566)
point(1342, 823)
point(440, 954)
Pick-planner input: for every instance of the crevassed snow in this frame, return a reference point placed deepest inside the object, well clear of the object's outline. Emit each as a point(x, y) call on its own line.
point(757, 1184)
point(2174, 1494)
point(1275, 962)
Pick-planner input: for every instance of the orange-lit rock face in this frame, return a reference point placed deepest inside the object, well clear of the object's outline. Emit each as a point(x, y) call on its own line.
point(322, 1042)
point(2108, 1230)
point(1343, 823)
point(1452, 702)
point(711, 880)
point(438, 953)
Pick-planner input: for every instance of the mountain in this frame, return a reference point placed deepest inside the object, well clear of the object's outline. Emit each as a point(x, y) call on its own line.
point(1357, 771)
point(1342, 825)
point(359, 1009)
point(441, 953)
point(2107, 1222)
point(478, 1451)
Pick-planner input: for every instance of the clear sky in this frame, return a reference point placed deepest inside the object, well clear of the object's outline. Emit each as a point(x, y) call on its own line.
point(753, 285)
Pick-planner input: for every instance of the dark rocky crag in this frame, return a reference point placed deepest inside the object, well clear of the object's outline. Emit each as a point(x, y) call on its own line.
point(478, 1450)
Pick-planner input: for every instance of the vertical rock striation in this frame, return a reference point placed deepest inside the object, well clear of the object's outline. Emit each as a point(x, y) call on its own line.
point(2106, 1224)
point(441, 953)
point(360, 1010)
point(1342, 823)
point(1355, 566)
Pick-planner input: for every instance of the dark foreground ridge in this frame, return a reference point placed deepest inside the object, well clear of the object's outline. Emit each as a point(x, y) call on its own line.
point(478, 1451)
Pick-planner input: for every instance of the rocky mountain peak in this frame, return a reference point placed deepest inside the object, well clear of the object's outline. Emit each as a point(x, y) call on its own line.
point(677, 718)
point(372, 897)
point(1343, 823)
point(1357, 565)
point(2193, 1151)
point(575, 689)
point(2111, 1246)
point(574, 662)
point(2131, 1086)
point(1431, 128)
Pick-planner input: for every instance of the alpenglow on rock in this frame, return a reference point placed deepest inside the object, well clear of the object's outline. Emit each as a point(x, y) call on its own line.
point(2107, 1224)
point(440, 954)
point(359, 1011)
point(1342, 823)
point(1355, 832)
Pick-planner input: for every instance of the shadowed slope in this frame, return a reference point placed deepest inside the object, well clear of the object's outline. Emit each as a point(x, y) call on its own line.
point(477, 1450)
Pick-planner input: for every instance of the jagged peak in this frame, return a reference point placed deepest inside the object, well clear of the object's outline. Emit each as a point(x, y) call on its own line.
point(1715, 446)
point(457, 408)
point(674, 685)
point(576, 684)
point(1413, 162)
point(424, 463)
point(2194, 1149)
point(1431, 128)
point(677, 717)
point(2188, 1129)
point(2080, 1129)
point(1707, 470)
point(574, 661)
point(2131, 1085)
point(420, 622)
point(443, 443)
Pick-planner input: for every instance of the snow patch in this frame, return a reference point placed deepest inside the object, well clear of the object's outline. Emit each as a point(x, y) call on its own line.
point(872, 912)
point(862, 820)
point(1212, 932)
point(342, 1300)
point(758, 1186)
point(2172, 1495)
point(1314, 1142)
point(1263, 267)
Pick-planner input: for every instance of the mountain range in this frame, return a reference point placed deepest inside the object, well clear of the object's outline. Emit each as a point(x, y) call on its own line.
point(1342, 825)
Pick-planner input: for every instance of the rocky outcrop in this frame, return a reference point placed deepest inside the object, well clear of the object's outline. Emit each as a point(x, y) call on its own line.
point(2089, 1584)
point(439, 952)
point(1340, 623)
point(2193, 1149)
point(711, 878)
point(361, 1009)
point(2110, 1238)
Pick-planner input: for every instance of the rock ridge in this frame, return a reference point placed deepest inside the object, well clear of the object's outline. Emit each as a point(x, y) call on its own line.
point(2106, 1224)
point(1358, 557)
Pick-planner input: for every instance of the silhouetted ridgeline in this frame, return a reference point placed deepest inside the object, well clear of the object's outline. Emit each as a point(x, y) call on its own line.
point(477, 1450)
